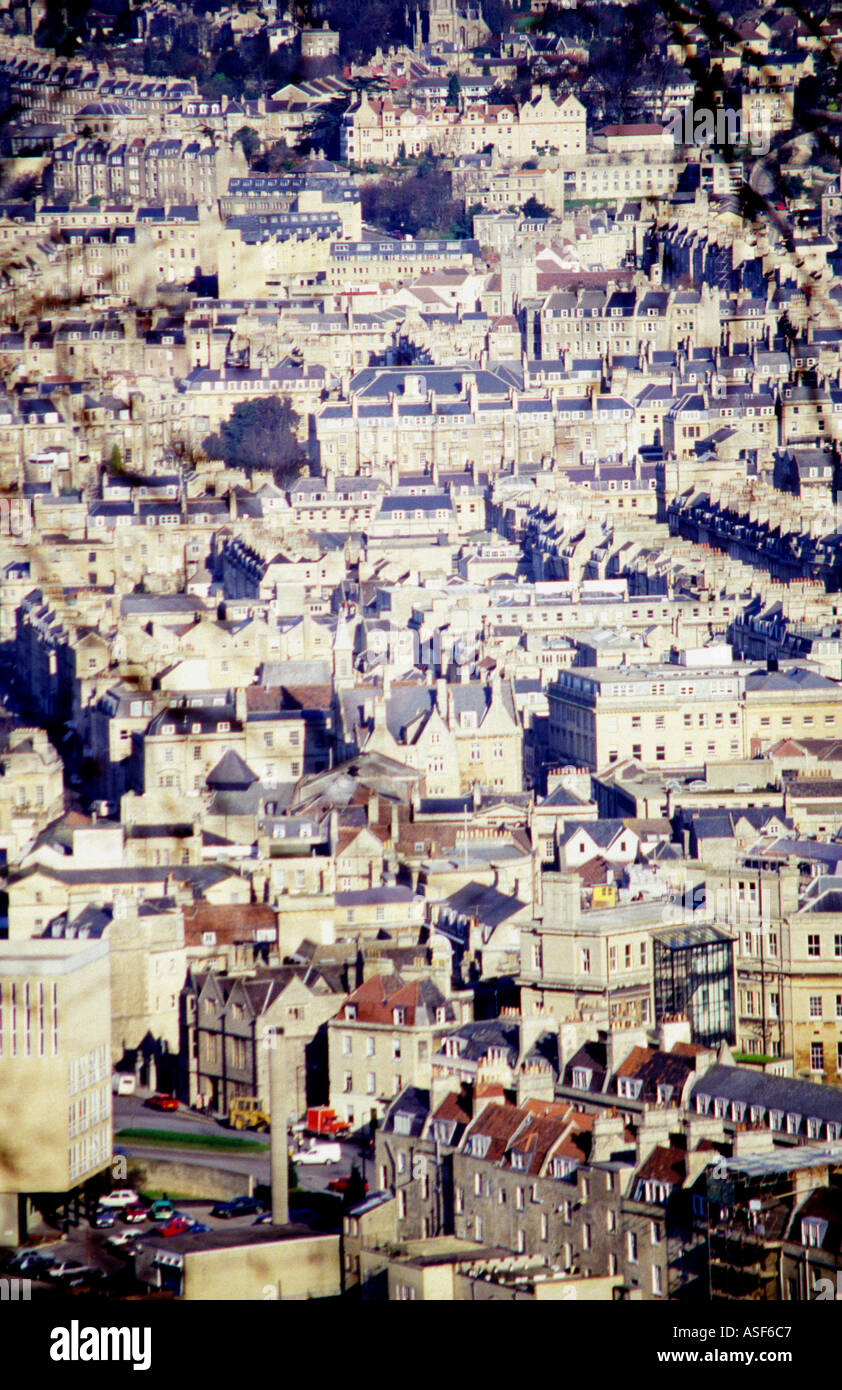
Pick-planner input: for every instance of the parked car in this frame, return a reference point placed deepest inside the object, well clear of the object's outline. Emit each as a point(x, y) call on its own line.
point(83, 1278)
point(31, 1262)
point(176, 1226)
point(123, 1083)
point(66, 1271)
point(162, 1210)
point(238, 1206)
point(161, 1102)
point(120, 1197)
point(104, 1217)
point(319, 1153)
point(340, 1185)
point(122, 1242)
point(134, 1214)
point(195, 1227)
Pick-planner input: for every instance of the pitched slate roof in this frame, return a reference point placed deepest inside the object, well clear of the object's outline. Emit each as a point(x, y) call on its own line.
point(772, 1092)
point(231, 773)
point(654, 1068)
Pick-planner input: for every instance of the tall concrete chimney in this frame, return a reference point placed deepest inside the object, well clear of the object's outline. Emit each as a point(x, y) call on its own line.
point(278, 1156)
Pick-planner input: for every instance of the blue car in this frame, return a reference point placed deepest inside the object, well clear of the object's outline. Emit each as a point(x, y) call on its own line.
point(103, 1218)
point(238, 1206)
point(196, 1228)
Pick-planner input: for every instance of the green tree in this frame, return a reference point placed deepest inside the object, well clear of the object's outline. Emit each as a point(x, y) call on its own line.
point(250, 141)
point(419, 203)
point(533, 208)
point(355, 1191)
point(454, 91)
point(260, 434)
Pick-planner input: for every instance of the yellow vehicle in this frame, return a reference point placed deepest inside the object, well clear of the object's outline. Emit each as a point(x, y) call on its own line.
point(246, 1112)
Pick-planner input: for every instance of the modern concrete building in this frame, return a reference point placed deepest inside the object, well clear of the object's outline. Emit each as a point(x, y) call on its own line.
point(55, 1073)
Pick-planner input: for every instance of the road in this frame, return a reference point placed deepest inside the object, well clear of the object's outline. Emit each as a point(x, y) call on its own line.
point(131, 1113)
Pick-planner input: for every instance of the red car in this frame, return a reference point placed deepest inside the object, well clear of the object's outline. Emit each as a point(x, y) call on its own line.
point(174, 1227)
point(162, 1102)
point(135, 1213)
point(340, 1185)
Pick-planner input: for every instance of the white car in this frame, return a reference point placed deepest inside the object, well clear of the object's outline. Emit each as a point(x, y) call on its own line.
point(120, 1197)
point(319, 1153)
point(122, 1241)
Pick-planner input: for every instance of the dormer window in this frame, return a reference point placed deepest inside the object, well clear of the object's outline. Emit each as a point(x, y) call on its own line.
point(664, 1095)
point(582, 1078)
point(629, 1086)
point(562, 1167)
point(350, 1011)
point(813, 1232)
point(399, 1017)
point(517, 1161)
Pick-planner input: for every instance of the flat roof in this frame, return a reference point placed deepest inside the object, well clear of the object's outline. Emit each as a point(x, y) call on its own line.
point(679, 937)
point(785, 1160)
point(228, 1239)
point(59, 956)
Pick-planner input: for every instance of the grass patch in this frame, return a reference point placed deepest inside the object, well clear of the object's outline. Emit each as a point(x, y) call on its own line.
point(752, 1059)
point(188, 1139)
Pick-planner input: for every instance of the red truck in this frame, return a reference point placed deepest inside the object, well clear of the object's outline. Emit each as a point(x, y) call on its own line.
point(323, 1121)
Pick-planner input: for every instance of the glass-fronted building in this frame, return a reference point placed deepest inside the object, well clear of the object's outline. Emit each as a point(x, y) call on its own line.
point(694, 976)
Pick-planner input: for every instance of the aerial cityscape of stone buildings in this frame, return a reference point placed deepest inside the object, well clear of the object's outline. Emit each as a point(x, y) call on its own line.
point(421, 644)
